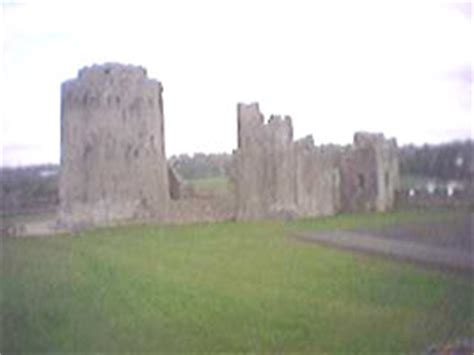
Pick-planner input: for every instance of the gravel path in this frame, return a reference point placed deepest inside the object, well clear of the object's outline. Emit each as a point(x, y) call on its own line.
point(454, 231)
point(429, 254)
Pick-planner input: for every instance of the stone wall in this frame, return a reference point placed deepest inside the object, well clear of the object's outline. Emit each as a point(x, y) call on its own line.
point(198, 209)
point(264, 165)
point(113, 163)
point(317, 179)
point(369, 174)
point(177, 185)
point(249, 174)
point(276, 177)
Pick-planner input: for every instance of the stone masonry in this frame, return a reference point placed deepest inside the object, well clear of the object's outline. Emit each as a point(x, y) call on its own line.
point(369, 174)
point(113, 162)
point(276, 177)
point(265, 178)
point(114, 167)
point(317, 179)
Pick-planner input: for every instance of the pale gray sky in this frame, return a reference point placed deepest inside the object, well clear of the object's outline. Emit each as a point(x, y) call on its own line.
point(399, 67)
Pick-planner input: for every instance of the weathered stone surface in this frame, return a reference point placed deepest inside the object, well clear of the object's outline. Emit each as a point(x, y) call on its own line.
point(276, 177)
point(264, 165)
point(317, 179)
point(369, 174)
point(250, 172)
point(193, 209)
point(176, 183)
point(113, 163)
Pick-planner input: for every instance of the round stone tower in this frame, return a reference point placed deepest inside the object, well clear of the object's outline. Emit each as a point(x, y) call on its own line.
point(113, 161)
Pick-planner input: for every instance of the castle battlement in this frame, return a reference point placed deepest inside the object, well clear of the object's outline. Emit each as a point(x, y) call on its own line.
point(117, 70)
point(112, 86)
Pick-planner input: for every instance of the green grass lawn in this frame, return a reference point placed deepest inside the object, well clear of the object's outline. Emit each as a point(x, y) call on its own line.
point(236, 287)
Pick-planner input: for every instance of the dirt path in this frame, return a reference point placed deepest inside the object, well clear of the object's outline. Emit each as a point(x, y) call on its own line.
point(402, 250)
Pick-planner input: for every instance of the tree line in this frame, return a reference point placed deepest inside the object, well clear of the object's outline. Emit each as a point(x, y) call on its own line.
point(449, 161)
point(202, 166)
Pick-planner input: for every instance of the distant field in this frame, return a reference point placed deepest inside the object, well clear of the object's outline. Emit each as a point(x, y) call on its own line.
point(215, 184)
point(219, 183)
point(237, 287)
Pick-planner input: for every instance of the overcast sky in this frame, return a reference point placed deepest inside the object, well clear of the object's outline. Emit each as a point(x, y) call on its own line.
point(399, 67)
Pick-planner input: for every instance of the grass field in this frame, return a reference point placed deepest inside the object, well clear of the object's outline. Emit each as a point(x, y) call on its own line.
point(215, 185)
point(234, 287)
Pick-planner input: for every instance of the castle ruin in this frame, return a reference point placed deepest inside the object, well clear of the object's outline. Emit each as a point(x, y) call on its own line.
point(114, 167)
point(277, 177)
point(369, 174)
point(113, 162)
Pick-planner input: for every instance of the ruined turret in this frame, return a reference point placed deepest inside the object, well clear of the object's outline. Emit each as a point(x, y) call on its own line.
point(113, 163)
point(277, 177)
point(369, 174)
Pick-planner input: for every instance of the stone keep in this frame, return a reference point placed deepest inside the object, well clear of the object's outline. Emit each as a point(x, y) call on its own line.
point(113, 162)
